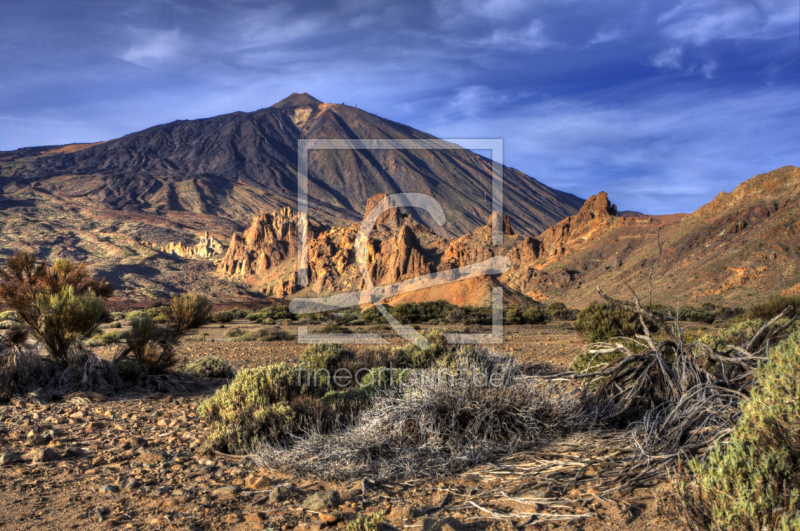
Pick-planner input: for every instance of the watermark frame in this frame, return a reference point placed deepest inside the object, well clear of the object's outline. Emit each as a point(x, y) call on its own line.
point(374, 294)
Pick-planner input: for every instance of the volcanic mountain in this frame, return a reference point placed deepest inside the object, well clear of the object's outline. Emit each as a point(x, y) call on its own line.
point(232, 167)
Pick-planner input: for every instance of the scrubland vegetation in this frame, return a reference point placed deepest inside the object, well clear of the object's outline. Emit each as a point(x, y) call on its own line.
point(716, 411)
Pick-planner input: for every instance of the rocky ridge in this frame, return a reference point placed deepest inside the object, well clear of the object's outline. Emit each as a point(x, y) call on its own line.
point(740, 247)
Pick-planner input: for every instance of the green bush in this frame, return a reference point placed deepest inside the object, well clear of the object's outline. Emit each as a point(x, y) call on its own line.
point(367, 522)
point(736, 334)
point(234, 332)
point(412, 312)
point(103, 338)
point(252, 408)
point(333, 328)
point(9, 316)
point(372, 315)
point(753, 481)
point(601, 321)
point(224, 316)
point(188, 311)
point(326, 356)
point(210, 367)
point(525, 315)
point(697, 315)
point(262, 334)
point(67, 316)
point(558, 311)
point(773, 307)
point(151, 345)
point(275, 313)
point(155, 314)
point(129, 370)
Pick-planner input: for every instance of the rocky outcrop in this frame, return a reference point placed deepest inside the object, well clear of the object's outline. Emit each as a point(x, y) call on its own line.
point(271, 239)
point(596, 216)
point(208, 247)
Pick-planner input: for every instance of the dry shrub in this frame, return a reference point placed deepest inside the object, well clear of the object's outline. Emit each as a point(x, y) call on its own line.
point(24, 371)
point(152, 346)
point(56, 303)
point(210, 367)
point(188, 311)
point(263, 334)
point(436, 425)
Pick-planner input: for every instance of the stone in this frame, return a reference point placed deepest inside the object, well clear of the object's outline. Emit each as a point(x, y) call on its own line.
point(322, 500)
point(42, 455)
point(402, 513)
point(94, 427)
point(226, 492)
point(446, 524)
point(255, 517)
point(257, 482)
point(109, 489)
point(35, 438)
point(132, 484)
point(10, 457)
point(279, 494)
point(152, 458)
point(330, 518)
point(232, 518)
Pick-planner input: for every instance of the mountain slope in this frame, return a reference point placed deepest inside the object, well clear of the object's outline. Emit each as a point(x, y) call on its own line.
point(238, 165)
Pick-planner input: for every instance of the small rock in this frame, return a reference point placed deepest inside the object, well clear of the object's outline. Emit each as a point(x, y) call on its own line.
point(152, 458)
point(349, 494)
point(322, 500)
point(226, 492)
point(255, 517)
point(73, 452)
point(402, 513)
point(132, 484)
point(109, 489)
point(232, 518)
point(35, 438)
point(257, 482)
point(279, 494)
point(330, 518)
point(94, 427)
point(446, 524)
point(10, 457)
point(42, 455)
point(134, 442)
point(49, 435)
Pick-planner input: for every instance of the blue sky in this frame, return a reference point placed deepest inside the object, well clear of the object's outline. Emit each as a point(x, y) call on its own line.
point(661, 104)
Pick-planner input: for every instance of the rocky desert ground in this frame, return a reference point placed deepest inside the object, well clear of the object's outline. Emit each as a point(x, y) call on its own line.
point(136, 462)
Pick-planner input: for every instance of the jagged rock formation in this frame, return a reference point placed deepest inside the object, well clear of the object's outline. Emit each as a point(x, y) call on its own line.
point(743, 245)
point(208, 247)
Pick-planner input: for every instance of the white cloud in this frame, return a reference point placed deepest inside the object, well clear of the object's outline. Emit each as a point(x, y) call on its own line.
point(669, 58)
point(668, 153)
point(699, 22)
point(709, 68)
point(531, 37)
point(606, 35)
point(154, 47)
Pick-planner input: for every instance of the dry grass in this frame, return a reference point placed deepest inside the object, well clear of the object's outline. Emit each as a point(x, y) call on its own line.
point(443, 421)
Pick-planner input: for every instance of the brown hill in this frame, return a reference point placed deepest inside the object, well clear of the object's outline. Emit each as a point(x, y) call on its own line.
point(738, 249)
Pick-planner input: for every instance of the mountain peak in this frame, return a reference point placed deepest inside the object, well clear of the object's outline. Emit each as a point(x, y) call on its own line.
point(297, 100)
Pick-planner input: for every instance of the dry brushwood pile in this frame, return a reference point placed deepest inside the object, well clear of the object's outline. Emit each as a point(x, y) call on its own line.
point(638, 408)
